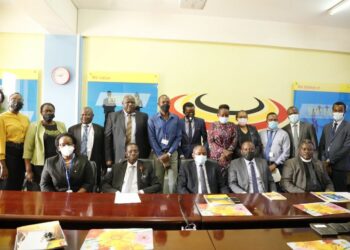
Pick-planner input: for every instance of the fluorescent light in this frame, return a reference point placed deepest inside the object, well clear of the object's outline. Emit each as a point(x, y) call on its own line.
point(339, 7)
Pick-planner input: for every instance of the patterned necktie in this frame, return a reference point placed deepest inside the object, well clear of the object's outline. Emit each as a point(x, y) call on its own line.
point(130, 179)
point(268, 144)
point(189, 130)
point(295, 138)
point(84, 141)
point(202, 179)
point(128, 130)
point(334, 128)
point(254, 180)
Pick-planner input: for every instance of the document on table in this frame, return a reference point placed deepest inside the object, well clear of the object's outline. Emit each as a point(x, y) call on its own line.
point(125, 198)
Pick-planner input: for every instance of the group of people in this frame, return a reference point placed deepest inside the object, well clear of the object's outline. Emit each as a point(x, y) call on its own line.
point(163, 153)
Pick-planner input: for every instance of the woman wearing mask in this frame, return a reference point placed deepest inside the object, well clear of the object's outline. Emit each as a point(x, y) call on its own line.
point(223, 139)
point(247, 132)
point(39, 144)
point(13, 128)
point(67, 171)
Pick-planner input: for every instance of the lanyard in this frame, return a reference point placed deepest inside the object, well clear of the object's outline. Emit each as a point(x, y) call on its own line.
point(164, 127)
point(68, 172)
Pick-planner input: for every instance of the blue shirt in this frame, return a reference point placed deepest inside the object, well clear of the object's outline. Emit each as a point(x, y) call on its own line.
point(161, 131)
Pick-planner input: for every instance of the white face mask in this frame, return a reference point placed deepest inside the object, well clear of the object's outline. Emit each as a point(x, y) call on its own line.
point(67, 150)
point(242, 121)
point(294, 118)
point(223, 119)
point(200, 159)
point(338, 116)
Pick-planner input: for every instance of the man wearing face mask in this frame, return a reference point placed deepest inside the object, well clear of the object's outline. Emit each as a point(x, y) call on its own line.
point(334, 148)
point(13, 128)
point(39, 144)
point(193, 132)
point(250, 174)
point(276, 146)
point(304, 173)
point(164, 131)
point(299, 131)
point(200, 176)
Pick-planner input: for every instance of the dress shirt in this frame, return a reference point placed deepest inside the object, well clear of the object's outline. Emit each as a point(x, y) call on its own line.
point(13, 128)
point(91, 134)
point(134, 187)
point(258, 177)
point(187, 126)
point(338, 124)
point(160, 129)
point(133, 125)
point(205, 178)
point(298, 128)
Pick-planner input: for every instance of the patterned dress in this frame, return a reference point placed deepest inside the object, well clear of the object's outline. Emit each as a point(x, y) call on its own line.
point(222, 136)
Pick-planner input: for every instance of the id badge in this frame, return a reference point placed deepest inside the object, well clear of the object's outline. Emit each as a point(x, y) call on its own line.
point(165, 141)
point(69, 191)
point(271, 154)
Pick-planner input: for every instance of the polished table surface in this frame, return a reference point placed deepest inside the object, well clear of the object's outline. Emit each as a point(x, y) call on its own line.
point(158, 211)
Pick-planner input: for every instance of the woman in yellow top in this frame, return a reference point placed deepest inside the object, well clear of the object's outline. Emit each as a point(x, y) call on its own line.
point(39, 144)
point(13, 128)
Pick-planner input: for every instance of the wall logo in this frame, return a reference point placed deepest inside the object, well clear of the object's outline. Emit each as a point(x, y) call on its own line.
point(256, 115)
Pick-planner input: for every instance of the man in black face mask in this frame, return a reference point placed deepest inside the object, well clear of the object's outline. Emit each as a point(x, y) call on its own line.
point(248, 174)
point(193, 132)
point(164, 132)
point(13, 127)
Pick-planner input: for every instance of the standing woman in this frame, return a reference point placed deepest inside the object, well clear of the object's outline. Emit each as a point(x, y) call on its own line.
point(13, 128)
point(223, 139)
point(245, 133)
point(67, 171)
point(39, 144)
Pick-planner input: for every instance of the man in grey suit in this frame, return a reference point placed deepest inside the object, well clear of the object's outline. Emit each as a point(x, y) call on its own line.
point(304, 173)
point(124, 127)
point(200, 176)
point(299, 131)
point(131, 175)
point(334, 148)
point(248, 174)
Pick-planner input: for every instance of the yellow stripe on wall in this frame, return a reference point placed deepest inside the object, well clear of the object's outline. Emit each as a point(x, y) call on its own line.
point(123, 77)
point(26, 74)
point(341, 88)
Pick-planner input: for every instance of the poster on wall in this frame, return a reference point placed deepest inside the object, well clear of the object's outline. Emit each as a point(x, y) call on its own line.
point(106, 90)
point(26, 83)
point(315, 101)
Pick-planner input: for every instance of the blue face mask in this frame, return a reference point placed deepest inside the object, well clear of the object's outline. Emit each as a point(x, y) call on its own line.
point(273, 125)
point(294, 118)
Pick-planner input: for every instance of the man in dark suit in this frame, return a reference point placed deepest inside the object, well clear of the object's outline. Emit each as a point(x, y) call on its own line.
point(304, 173)
point(131, 175)
point(124, 127)
point(248, 174)
point(299, 131)
point(200, 175)
point(334, 148)
point(193, 132)
point(90, 140)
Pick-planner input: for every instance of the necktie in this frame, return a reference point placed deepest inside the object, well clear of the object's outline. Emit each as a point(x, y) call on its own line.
point(295, 138)
point(84, 141)
point(254, 180)
point(128, 130)
point(268, 144)
point(130, 179)
point(334, 128)
point(202, 179)
point(189, 130)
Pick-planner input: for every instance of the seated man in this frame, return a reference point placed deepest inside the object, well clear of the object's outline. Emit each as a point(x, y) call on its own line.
point(304, 173)
point(131, 175)
point(248, 174)
point(200, 176)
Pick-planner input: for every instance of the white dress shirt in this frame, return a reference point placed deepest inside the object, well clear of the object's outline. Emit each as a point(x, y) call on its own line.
point(205, 177)
point(134, 187)
point(298, 128)
point(133, 125)
point(90, 142)
point(258, 177)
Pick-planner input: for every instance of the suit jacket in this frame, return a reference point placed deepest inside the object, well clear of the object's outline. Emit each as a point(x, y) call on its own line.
point(115, 136)
point(188, 180)
point(146, 179)
point(97, 152)
point(306, 131)
point(199, 133)
point(53, 177)
point(238, 178)
point(255, 138)
point(294, 177)
point(339, 146)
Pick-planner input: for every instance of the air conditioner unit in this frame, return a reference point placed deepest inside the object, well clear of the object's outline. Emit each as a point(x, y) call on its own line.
point(192, 4)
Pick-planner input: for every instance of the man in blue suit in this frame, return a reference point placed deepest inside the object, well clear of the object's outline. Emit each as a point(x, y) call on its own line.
point(334, 149)
point(193, 132)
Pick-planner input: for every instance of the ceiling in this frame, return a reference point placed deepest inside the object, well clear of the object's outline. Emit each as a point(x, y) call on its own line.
point(308, 12)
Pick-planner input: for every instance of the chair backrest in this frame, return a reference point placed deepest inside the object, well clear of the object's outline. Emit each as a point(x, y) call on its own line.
point(94, 174)
point(150, 161)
